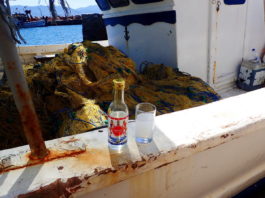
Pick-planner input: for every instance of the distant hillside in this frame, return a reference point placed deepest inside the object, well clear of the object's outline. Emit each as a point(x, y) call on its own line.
point(44, 10)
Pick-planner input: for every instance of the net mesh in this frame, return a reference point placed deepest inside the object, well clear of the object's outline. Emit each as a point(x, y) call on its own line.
point(72, 92)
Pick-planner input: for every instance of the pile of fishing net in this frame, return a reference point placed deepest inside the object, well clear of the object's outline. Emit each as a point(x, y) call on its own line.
point(72, 92)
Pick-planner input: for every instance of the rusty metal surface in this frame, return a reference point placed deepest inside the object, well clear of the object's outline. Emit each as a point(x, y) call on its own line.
point(56, 189)
point(31, 125)
point(60, 149)
point(85, 163)
point(20, 91)
point(86, 168)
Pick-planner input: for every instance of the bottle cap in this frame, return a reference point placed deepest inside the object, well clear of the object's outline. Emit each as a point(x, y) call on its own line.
point(119, 83)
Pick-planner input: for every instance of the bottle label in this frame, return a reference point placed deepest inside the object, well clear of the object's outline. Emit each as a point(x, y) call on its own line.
point(117, 130)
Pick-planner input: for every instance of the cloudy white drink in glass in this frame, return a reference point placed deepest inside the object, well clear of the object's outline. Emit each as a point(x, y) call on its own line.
point(145, 122)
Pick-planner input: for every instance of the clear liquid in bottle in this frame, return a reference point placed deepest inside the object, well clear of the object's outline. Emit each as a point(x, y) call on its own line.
point(118, 117)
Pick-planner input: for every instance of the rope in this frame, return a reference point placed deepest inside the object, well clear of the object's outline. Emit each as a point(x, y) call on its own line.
point(72, 115)
point(15, 33)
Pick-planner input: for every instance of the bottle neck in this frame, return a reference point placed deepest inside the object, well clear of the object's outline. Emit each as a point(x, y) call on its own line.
point(118, 96)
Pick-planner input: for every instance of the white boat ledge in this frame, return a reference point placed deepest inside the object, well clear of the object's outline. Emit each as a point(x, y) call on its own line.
point(215, 150)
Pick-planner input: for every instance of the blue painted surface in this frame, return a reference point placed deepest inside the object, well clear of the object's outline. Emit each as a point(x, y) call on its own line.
point(103, 4)
point(40, 23)
point(234, 2)
point(257, 190)
point(144, 19)
point(119, 3)
point(252, 77)
point(145, 1)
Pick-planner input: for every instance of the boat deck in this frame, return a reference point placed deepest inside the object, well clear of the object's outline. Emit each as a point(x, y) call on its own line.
point(233, 92)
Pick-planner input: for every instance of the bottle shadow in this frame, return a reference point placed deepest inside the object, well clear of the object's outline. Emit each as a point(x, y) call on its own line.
point(136, 152)
point(23, 182)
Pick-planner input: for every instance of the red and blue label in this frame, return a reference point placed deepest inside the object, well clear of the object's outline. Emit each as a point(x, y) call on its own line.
point(118, 130)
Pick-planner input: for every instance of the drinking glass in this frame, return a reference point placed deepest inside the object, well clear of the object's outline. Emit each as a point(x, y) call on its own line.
point(145, 122)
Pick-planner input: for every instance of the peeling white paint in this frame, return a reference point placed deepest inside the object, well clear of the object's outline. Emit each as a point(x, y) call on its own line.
point(179, 136)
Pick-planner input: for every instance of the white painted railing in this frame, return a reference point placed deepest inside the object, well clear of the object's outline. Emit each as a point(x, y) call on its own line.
point(215, 150)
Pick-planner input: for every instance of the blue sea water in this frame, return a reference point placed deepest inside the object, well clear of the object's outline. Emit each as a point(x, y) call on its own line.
point(52, 35)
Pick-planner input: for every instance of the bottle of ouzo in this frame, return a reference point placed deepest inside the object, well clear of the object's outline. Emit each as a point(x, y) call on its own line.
point(118, 117)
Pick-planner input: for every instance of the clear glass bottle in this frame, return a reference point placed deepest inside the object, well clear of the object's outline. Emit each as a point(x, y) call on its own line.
point(118, 116)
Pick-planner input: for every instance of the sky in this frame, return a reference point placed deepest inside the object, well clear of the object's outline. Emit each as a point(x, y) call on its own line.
point(73, 3)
